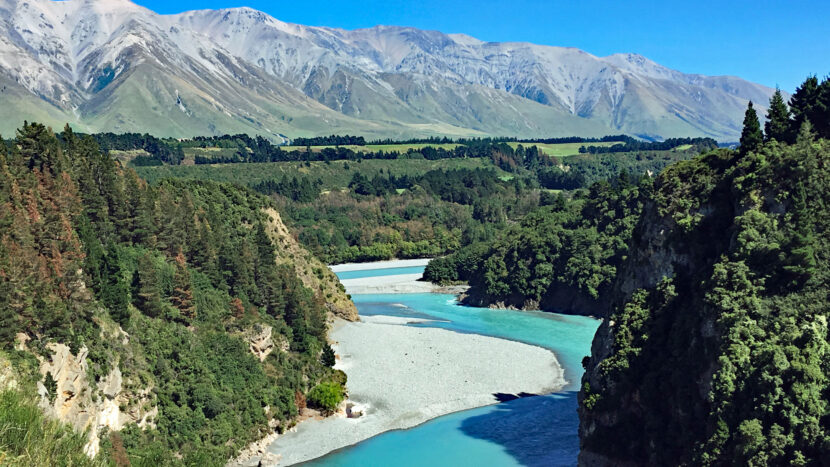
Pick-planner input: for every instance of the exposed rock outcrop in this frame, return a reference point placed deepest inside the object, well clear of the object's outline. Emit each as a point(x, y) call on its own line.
point(260, 341)
point(74, 400)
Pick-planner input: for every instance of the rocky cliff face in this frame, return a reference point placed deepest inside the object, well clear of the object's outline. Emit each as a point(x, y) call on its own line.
point(666, 259)
point(88, 406)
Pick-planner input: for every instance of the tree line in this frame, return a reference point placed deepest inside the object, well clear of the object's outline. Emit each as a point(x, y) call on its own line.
point(632, 145)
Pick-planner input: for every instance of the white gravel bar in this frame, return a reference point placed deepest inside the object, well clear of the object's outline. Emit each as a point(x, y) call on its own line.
point(399, 283)
point(404, 376)
point(395, 263)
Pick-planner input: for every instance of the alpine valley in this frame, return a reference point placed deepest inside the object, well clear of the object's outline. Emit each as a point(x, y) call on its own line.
point(111, 65)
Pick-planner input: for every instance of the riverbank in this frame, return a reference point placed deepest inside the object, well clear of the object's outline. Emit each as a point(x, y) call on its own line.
point(404, 376)
point(395, 283)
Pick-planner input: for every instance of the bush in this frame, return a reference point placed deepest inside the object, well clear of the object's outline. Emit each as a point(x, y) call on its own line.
point(325, 396)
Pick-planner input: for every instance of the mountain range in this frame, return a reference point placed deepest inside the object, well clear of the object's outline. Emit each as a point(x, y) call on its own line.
point(112, 65)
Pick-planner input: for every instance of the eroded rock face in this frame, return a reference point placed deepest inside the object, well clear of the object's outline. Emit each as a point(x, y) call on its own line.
point(260, 341)
point(89, 406)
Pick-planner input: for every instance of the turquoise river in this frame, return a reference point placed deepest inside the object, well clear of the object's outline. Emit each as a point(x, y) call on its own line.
point(529, 431)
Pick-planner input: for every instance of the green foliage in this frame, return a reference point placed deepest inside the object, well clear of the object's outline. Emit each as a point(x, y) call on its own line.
point(325, 396)
point(327, 357)
point(575, 245)
point(51, 386)
point(28, 437)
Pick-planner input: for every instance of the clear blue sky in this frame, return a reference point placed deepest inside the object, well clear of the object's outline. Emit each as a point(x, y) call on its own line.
point(769, 42)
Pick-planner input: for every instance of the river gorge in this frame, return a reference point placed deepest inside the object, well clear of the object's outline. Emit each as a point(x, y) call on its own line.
point(480, 344)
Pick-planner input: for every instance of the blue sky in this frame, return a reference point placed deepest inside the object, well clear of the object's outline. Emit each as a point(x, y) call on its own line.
point(769, 42)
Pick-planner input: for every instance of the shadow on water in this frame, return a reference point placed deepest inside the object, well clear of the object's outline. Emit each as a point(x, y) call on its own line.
point(535, 431)
point(505, 397)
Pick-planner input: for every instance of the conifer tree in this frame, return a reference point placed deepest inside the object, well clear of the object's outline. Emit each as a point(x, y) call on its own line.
point(327, 358)
point(146, 291)
point(39, 147)
point(182, 296)
point(822, 112)
point(114, 290)
point(777, 126)
point(751, 136)
point(803, 104)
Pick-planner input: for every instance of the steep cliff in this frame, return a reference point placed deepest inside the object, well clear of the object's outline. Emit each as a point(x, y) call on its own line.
point(715, 349)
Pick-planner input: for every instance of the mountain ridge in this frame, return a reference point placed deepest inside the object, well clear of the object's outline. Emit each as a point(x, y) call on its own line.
point(242, 70)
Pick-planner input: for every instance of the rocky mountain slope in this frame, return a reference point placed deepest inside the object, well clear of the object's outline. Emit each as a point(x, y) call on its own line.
point(113, 65)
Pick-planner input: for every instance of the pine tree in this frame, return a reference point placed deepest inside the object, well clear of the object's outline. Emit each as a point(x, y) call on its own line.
point(146, 291)
point(801, 262)
point(777, 126)
point(822, 112)
point(751, 136)
point(327, 358)
point(39, 147)
point(803, 104)
point(114, 290)
point(182, 297)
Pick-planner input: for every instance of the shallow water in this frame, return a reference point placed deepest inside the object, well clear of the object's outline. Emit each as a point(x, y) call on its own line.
point(374, 272)
point(528, 431)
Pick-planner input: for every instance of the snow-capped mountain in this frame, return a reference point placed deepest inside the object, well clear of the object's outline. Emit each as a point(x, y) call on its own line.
point(113, 65)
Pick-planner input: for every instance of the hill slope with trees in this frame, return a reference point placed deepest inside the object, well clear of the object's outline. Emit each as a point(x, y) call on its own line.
point(712, 279)
point(184, 311)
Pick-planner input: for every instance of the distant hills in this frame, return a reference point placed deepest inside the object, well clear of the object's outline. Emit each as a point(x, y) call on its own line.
point(111, 65)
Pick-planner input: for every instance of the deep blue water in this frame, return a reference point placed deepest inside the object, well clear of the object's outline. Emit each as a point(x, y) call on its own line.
point(531, 431)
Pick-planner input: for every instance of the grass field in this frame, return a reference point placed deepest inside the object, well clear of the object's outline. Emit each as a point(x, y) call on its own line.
point(335, 175)
point(561, 149)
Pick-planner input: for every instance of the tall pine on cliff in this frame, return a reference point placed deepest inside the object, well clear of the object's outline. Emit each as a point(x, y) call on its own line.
point(751, 136)
point(777, 126)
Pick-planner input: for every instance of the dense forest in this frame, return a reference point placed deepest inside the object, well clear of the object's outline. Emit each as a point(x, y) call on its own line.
point(160, 288)
point(377, 209)
point(562, 256)
point(713, 278)
point(718, 353)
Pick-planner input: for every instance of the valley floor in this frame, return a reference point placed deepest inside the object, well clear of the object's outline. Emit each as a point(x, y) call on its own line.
point(403, 376)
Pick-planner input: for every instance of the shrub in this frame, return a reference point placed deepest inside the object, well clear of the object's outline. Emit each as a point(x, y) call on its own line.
point(325, 396)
